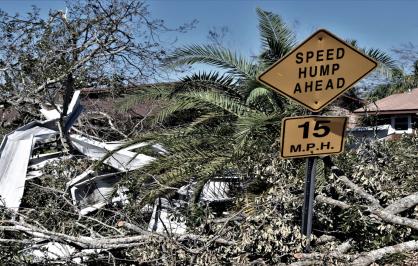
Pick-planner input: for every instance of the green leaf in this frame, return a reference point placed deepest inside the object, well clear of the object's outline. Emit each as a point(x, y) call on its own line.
point(276, 37)
point(216, 56)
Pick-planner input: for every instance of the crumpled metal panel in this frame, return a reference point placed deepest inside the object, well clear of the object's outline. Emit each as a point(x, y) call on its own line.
point(123, 160)
point(13, 167)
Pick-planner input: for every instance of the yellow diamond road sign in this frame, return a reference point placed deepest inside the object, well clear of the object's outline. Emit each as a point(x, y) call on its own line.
point(318, 70)
point(306, 136)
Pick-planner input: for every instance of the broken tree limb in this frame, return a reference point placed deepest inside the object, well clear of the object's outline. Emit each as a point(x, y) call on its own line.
point(395, 219)
point(359, 190)
point(371, 256)
point(307, 263)
point(403, 204)
point(338, 252)
point(324, 239)
point(337, 203)
point(104, 242)
point(132, 227)
point(350, 184)
point(363, 259)
point(379, 212)
point(376, 208)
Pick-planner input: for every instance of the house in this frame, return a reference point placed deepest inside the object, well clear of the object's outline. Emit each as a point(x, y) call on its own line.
point(394, 115)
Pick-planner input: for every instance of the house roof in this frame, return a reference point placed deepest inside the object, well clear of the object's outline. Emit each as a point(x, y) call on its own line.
point(400, 103)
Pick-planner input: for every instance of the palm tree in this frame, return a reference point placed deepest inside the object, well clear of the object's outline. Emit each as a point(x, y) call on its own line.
point(226, 120)
point(399, 82)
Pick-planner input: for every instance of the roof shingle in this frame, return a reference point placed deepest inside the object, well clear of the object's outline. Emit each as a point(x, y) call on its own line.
point(394, 104)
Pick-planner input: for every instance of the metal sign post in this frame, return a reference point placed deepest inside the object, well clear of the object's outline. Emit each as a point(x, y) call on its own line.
point(308, 200)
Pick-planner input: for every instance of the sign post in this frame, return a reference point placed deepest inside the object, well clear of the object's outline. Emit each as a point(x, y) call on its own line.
point(314, 74)
point(311, 136)
point(309, 192)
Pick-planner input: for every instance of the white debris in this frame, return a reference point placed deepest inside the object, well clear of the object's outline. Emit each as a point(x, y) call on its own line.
point(123, 160)
point(13, 166)
point(50, 114)
point(55, 114)
point(34, 174)
point(215, 191)
point(90, 192)
point(56, 251)
point(53, 251)
point(37, 163)
point(40, 134)
point(16, 149)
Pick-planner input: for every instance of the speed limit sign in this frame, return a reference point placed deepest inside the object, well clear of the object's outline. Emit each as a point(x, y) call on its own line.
point(306, 136)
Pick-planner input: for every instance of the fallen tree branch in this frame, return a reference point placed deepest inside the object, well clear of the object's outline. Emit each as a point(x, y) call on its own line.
point(379, 212)
point(371, 256)
point(330, 201)
point(338, 252)
point(403, 204)
point(106, 242)
point(359, 190)
point(395, 219)
point(350, 184)
point(324, 239)
point(362, 259)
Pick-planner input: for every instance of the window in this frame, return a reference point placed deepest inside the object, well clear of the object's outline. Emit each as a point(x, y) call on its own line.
point(401, 123)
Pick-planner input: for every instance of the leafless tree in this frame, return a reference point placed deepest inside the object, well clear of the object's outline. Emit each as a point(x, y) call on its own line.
point(93, 43)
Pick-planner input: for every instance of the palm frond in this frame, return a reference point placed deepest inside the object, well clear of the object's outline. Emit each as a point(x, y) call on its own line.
point(150, 94)
point(219, 100)
point(173, 106)
point(209, 81)
point(386, 64)
point(213, 55)
point(201, 120)
point(257, 93)
point(256, 126)
point(190, 159)
point(211, 78)
point(277, 39)
point(262, 94)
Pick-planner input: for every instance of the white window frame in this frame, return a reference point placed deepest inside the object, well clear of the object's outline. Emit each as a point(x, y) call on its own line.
point(392, 129)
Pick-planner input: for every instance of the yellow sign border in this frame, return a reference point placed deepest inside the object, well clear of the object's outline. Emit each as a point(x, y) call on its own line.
point(295, 49)
point(311, 155)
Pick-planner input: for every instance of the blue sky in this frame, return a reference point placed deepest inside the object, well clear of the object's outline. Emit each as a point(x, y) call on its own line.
point(380, 24)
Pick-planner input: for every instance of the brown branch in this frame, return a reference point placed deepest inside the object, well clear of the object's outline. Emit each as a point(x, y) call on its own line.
point(306, 263)
point(110, 122)
point(379, 212)
point(362, 259)
point(388, 214)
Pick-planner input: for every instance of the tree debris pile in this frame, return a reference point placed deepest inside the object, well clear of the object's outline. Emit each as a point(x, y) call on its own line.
point(357, 221)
